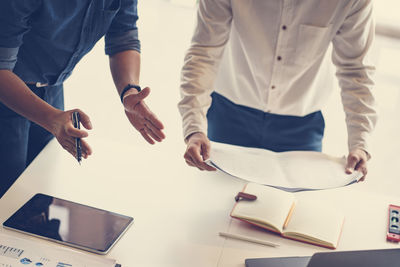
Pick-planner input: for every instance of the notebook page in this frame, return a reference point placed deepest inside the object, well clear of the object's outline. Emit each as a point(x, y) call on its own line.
point(272, 206)
point(316, 220)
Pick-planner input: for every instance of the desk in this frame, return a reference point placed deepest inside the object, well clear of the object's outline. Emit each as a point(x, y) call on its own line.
point(179, 210)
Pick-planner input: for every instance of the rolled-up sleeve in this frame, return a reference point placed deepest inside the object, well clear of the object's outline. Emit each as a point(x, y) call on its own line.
point(201, 63)
point(8, 57)
point(14, 17)
point(123, 32)
point(351, 48)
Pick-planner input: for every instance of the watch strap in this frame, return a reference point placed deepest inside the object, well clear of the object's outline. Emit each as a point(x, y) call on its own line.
point(128, 87)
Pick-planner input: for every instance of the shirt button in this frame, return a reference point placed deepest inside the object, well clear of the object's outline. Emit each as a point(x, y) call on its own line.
point(284, 27)
point(279, 58)
point(273, 87)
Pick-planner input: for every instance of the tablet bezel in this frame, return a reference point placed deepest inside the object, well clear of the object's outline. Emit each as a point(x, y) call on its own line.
point(6, 225)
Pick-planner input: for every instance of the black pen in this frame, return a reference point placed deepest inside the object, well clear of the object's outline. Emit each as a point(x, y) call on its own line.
point(77, 124)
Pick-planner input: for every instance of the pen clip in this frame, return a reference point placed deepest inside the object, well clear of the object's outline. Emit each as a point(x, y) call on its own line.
point(245, 196)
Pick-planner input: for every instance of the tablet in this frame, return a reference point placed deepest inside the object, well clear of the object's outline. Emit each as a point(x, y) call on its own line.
point(69, 223)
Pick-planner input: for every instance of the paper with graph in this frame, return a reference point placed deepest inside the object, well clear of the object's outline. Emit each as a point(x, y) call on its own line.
point(15, 251)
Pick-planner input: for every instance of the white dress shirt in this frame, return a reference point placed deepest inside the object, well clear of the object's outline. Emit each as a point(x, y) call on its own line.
point(272, 55)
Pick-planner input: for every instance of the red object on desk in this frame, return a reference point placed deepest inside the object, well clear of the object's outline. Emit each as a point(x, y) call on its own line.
point(393, 233)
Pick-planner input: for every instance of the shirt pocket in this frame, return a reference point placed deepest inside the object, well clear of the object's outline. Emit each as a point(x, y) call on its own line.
point(312, 42)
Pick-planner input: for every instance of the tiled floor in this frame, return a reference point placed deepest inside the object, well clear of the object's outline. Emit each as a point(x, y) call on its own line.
point(165, 31)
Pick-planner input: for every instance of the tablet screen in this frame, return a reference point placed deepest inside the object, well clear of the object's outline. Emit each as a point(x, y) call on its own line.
point(70, 223)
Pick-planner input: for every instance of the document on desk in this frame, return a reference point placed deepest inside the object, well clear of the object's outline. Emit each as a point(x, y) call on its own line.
point(291, 171)
point(16, 251)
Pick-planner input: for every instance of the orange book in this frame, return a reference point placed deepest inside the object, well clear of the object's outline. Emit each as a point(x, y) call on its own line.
point(279, 211)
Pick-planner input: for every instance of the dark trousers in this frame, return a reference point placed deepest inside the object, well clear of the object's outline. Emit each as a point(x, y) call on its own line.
point(20, 139)
point(240, 125)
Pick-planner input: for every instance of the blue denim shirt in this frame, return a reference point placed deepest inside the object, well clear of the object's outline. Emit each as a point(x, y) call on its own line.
point(43, 40)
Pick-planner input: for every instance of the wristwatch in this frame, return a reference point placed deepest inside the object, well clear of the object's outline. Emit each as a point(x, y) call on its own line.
point(126, 88)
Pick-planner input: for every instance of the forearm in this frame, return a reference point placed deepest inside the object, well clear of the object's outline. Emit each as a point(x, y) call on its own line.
point(17, 96)
point(201, 64)
point(125, 69)
point(350, 54)
point(197, 83)
point(358, 103)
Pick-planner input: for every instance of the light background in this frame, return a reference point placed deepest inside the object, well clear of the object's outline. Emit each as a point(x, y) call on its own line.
point(165, 29)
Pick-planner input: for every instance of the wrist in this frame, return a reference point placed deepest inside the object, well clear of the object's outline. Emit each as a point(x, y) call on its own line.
point(49, 121)
point(194, 135)
point(129, 90)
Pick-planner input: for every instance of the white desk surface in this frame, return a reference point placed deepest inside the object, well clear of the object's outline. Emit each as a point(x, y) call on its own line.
point(178, 210)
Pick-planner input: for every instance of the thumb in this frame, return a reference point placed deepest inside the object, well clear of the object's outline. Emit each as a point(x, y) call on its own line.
point(142, 94)
point(85, 120)
point(352, 161)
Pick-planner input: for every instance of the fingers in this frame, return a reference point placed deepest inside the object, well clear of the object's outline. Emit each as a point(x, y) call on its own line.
point(143, 110)
point(73, 132)
point(195, 156)
point(86, 149)
point(85, 120)
point(352, 161)
point(151, 117)
point(362, 167)
point(156, 132)
point(205, 148)
point(69, 144)
point(146, 136)
point(146, 123)
point(357, 161)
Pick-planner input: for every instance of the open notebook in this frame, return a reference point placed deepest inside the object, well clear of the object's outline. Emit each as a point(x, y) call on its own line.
point(290, 171)
point(279, 211)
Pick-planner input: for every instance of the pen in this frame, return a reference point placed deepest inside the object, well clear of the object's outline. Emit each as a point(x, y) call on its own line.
point(77, 124)
point(248, 239)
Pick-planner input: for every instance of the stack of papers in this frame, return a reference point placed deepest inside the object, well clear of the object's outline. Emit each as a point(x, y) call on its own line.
point(16, 251)
point(291, 171)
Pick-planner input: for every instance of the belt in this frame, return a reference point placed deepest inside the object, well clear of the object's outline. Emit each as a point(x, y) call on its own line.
point(38, 84)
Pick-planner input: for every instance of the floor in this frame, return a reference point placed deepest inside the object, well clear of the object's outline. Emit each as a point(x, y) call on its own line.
point(165, 31)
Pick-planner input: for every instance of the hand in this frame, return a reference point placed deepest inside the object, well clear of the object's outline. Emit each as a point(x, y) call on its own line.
point(140, 116)
point(65, 132)
point(357, 161)
point(197, 151)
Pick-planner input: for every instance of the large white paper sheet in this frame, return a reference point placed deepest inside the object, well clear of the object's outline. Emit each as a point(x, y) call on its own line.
point(291, 171)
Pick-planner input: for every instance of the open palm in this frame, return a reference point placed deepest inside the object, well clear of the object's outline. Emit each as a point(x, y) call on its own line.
point(142, 118)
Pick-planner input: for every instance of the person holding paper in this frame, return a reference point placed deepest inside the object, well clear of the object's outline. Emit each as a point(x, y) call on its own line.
point(257, 75)
point(40, 44)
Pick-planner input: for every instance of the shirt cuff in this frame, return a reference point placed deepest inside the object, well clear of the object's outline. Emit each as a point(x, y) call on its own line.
point(359, 140)
point(193, 127)
point(118, 42)
point(8, 57)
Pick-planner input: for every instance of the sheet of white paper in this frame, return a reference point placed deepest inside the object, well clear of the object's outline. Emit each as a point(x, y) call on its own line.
point(292, 171)
point(16, 251)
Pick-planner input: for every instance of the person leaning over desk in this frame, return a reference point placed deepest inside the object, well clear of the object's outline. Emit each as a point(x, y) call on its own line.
point(40, 44)
point(265, 65)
